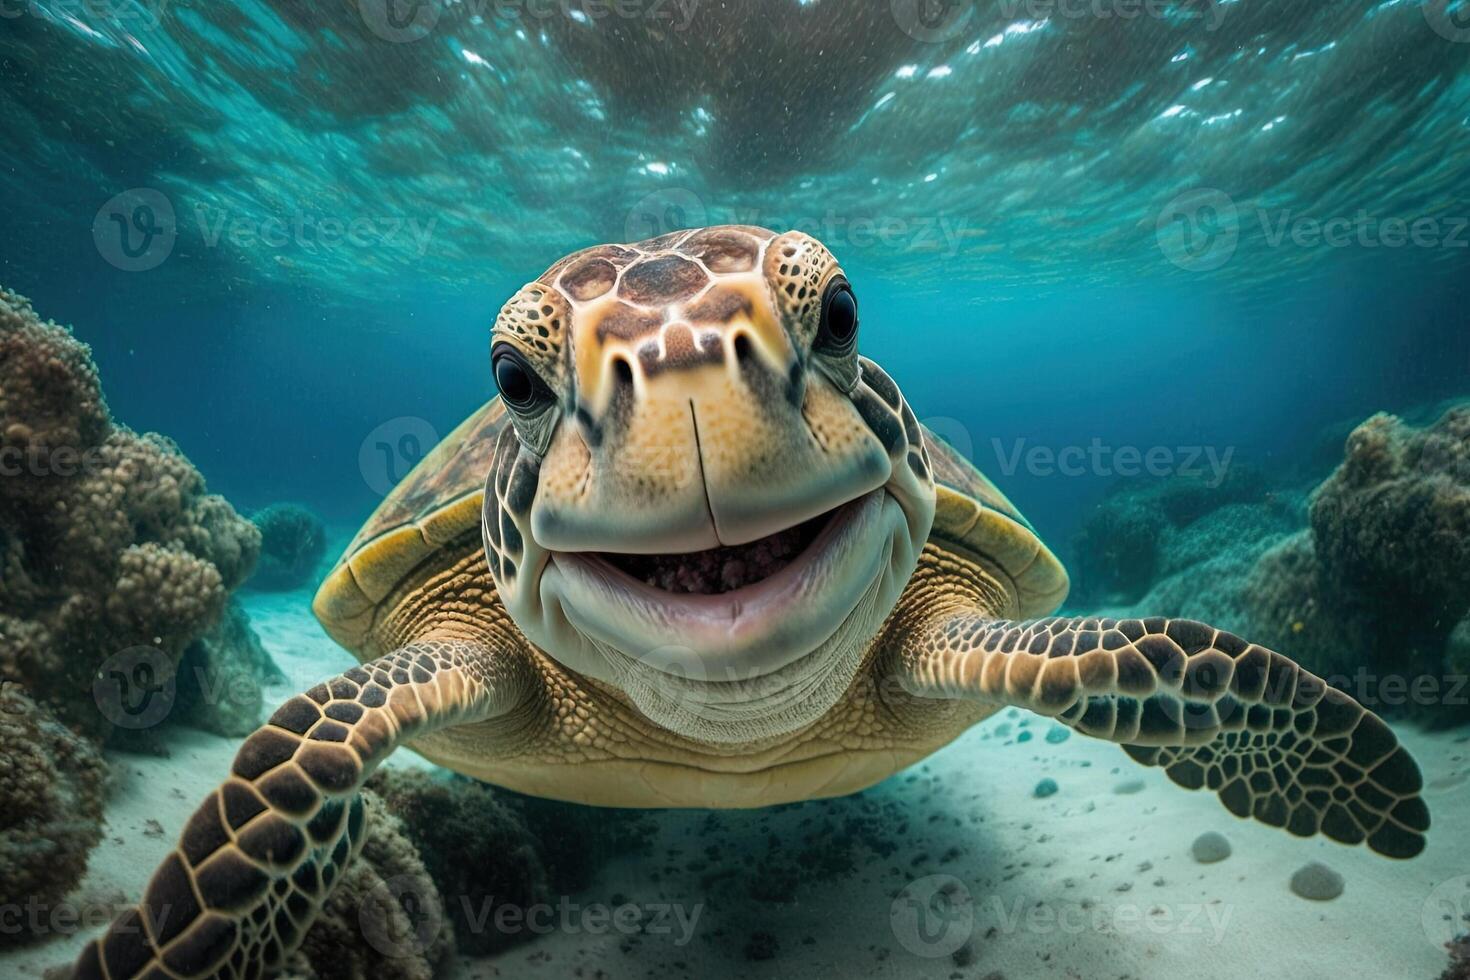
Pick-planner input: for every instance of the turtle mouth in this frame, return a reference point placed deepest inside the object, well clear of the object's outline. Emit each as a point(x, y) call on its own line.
point(760, 605)
point(728, 568)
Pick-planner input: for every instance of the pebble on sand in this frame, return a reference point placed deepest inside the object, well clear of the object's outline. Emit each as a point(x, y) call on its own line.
point(1317, 881)
point(1047, 787)
point(1210, 847)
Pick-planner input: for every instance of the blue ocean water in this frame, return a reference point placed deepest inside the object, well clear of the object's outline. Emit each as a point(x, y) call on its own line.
point(1066, 227)
point(1091, 240)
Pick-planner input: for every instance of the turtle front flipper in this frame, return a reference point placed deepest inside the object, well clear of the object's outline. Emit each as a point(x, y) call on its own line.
point(1273, 740)
point(257, 860)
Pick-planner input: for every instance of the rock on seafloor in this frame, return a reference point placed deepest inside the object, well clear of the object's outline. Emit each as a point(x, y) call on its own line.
point(1210, 847)
point(1316, 881)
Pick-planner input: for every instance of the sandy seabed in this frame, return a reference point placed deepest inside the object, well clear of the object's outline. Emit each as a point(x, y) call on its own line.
point(1094, 881)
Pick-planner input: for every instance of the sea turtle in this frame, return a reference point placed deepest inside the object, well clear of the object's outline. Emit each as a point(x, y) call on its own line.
point(717, 562)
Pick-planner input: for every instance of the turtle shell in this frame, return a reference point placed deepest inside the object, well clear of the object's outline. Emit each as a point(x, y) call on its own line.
point(972, 515)
point(438, 501)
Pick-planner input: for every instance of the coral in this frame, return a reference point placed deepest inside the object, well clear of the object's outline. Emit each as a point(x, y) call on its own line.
point(385, 920)
point(225, 668)
point(1373, 595)
point(1457, 649)
point(1459, 968)
point(108, 539)
point(1129, 538)
point(52, 817)
point(479, 846)
point(293, 542)
point(1394, 520)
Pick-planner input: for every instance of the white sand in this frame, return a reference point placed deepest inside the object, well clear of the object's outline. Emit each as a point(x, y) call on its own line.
point(1087, 883)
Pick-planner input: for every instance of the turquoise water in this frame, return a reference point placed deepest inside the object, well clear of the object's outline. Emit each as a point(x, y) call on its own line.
point(1093, 240)
point(1062, 225)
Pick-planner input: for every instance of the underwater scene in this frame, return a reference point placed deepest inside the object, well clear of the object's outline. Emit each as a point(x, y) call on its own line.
point(734, 488)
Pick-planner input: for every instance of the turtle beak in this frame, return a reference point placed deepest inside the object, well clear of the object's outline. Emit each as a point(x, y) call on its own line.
point(708, 437)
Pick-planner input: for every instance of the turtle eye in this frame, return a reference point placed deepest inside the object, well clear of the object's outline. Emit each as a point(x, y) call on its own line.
point(518, 383)
point(839, 328)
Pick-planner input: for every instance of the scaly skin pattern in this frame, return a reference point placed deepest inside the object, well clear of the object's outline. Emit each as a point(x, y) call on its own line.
point(1273, 740)
point(580, 740)
point(256, 862)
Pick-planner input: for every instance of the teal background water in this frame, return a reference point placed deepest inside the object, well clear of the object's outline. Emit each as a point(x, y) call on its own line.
point(1098, 226)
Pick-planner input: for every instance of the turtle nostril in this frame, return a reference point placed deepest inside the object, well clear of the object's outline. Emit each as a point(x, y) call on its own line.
point(623, 371)
point(743, 350)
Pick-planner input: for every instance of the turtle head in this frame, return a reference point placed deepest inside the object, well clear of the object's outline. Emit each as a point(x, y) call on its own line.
point(706, 497)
